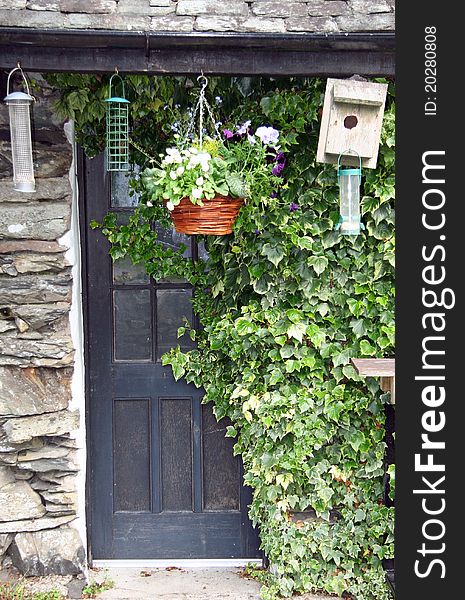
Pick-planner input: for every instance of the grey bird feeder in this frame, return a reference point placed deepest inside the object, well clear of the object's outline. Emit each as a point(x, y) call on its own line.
point(19, 108)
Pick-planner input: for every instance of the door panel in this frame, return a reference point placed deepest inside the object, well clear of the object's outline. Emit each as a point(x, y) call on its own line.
point(163, 479)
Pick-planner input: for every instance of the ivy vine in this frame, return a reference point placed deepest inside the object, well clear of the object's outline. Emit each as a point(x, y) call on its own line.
point(284, 303)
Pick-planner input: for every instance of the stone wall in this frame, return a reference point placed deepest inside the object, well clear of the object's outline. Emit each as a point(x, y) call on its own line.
point(264, 16)
point(37, 453)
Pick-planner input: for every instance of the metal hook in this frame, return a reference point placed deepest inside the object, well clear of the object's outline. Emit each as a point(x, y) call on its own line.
point(205, 81)
point(18, 68)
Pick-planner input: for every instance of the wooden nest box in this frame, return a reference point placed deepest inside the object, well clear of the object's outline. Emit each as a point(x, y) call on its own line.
point(352, 119)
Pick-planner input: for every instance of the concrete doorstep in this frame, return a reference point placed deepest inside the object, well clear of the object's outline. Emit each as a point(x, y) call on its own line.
point(172, 583)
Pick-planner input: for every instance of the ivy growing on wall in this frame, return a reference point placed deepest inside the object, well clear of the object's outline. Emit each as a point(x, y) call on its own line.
point(284, 302)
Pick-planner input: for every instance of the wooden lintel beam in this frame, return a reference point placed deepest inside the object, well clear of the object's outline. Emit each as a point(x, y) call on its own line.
point(218, 54)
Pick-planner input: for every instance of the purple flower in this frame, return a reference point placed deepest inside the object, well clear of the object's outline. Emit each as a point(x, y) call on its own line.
point(228, 134)
point(274, 194)
point(278, 169)
point(293, 207)
point(281, 158)
point(257, 231)
point(242, 129)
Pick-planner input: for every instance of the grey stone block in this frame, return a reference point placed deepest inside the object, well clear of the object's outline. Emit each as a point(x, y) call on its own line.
point(271, 8)
point(112, 22)
point(22, 429)
point(55, 552)
point(40, 221)
point(47, 451)
point(53, 350)
point(36, 289)
point(19, 501)
point(262, 25)
point(13, 4)
point(33, 391)
point(5, 541)
point(36, 316)
point(46, 522)
point(88, 6)
point(161, 2)
point(43, 5)
point(48, 464)
point(366, 7)
point(12, 246)
point(312, 25)
point(328, 8)
point(377, 22)
point(50, 188)
point(51, 159)
point(41, 19)
point(217, 23)
point(235, 8)
point(141, 7)
point(173, 24)
point(32, 263)
point(6, 476)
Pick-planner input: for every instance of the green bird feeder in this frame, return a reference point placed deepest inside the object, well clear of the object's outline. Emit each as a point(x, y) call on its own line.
point(349, 196)
point(117, 118)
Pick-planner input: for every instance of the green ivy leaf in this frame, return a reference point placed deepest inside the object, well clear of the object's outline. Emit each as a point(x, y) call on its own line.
point(319, 263)
point(245, 327)
point(297, 331)
point(274, 254)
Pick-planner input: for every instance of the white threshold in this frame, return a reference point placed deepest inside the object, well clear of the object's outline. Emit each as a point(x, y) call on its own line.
point(186, 563)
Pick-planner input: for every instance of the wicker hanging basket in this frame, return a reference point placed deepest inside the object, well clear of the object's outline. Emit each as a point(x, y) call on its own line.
point(215, 217)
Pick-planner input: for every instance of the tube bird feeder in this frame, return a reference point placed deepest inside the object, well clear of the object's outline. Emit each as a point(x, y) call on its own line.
point(349, 197)
point(117, 134)
point(19, 108)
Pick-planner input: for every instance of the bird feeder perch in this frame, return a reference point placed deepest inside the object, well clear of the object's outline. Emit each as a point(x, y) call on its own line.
point(19, 108)
point(117, 135)
point(352, 118)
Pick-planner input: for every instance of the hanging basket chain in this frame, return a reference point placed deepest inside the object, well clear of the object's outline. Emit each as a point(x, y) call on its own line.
point(200, 107)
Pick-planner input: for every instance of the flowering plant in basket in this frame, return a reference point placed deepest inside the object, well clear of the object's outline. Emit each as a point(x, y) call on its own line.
point(244, 164)
point(195, 173)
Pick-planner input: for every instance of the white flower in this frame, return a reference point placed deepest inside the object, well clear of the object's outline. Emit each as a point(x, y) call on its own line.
point(205, 167)
point(251, 139)
point(173, 155)
point(180, 171)
point(199, 181)
point(194, 151)
point(168, 160)
point(268, 135)
point(173, 175)
point(149, 204)
point(170, 205)
point(197, 193)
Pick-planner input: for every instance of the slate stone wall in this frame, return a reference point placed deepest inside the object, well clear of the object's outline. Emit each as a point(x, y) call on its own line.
point(244, 16)
point(38, 462)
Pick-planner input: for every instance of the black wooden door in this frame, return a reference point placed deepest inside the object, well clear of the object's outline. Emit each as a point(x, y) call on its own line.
point(163, 480)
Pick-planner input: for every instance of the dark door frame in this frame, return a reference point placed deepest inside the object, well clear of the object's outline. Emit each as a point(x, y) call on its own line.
point(93, 178)
point(38, 50)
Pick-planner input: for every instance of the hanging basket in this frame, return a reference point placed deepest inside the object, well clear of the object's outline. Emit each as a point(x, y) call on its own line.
point(215, 217)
